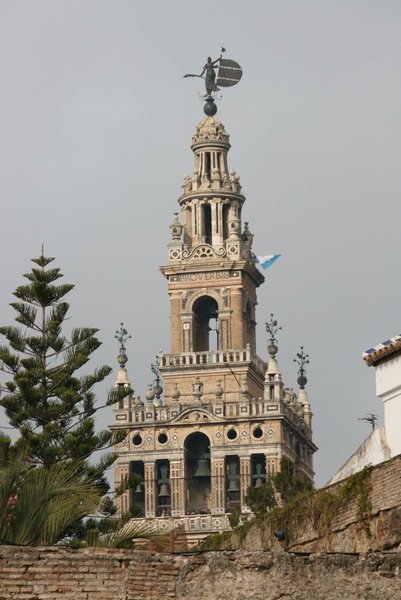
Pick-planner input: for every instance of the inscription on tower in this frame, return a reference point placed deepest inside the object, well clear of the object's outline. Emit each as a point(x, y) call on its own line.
point(208, 276)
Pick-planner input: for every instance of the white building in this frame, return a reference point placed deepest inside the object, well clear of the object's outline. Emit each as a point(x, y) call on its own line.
point(384, 442)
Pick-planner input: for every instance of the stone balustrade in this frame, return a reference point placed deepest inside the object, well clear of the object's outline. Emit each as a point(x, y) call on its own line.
point(198, 523)
point(191, 359)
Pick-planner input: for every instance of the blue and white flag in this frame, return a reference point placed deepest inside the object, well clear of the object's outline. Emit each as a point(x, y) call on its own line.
point(266, 261)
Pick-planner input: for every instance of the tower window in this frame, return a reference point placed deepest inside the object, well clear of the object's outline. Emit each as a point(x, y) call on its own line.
point(207, 223)
point(206, 324)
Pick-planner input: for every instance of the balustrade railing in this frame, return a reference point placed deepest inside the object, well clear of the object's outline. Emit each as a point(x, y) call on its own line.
point(189, 523)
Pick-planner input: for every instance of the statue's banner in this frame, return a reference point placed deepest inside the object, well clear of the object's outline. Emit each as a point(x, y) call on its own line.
point(229, 73)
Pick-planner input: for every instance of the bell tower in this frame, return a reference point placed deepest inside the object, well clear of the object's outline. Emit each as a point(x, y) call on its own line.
point(212, 278)
point(217, 419)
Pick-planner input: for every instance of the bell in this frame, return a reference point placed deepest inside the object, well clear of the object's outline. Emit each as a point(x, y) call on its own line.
point(164, 490)
point(233, 486)
point(139, 489)
point(258, 483)
point(202, 470)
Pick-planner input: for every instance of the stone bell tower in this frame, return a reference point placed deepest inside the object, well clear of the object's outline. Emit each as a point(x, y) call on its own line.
point(212, 279)
point(224, 419)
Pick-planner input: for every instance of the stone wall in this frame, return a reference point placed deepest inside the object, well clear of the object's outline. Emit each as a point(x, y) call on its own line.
point(51, 573)
point(62, 574)
point(334, 566)
point(346, 533)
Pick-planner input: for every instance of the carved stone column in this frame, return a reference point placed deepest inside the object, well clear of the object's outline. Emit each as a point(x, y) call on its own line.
point(218, 488)
point(150, 489)
point(237, 318)
point(177, 488)
point(245, 478)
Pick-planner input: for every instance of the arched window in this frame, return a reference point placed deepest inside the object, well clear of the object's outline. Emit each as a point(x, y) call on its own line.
point(198, 476)
point(207, 224)
point(206, 329)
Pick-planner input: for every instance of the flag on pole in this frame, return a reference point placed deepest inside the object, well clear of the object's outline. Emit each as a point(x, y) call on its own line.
point(266, 261)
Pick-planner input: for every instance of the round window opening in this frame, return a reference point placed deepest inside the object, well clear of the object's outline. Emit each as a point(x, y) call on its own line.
point(232, 434)
point(162, 438)
point(257, 433)
point(137, 440)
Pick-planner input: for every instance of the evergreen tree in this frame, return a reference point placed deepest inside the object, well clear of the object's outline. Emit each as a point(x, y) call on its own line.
point(52, 407)
point(288, 483)
point(261, 499)
point(284, 485)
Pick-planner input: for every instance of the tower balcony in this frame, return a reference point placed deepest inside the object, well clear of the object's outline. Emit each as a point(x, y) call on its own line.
point(214, 357)
point(188, 530)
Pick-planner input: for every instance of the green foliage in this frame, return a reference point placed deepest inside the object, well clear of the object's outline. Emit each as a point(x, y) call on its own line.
point(38, 505)
point(321, 507)
point(286, 484)
point(261, 499)
point(121, 533)
point(51, 406)
point(289, 484)
point(215, 542)
point(234, 516)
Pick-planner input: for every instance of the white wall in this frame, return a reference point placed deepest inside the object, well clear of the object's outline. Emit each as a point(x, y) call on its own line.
point(388, 388)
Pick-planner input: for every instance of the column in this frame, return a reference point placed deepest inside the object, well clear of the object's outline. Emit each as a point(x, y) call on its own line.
point(177, 488)
point(245, 478)
point(121, 475)
point(237, 319)
point(150, 489)
point(175, 310)
point(218, 488)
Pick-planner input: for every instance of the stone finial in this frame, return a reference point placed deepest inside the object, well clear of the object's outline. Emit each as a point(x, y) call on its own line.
point(197, 389)
point(219, 391)
point(175, 394)
point(157, 388)
point(122, 377)
point(150, 394)
point(302, 359)
point(272, 328)
point(176, 228)
point(122, 336)
point(247, 236)
point(244, 388)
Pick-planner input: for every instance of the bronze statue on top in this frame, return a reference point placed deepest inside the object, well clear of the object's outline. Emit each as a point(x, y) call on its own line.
point(229, 73)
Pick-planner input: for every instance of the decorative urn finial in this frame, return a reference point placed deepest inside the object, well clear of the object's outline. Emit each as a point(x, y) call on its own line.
point(302, 359)
point(272, 328)
point(122, 336)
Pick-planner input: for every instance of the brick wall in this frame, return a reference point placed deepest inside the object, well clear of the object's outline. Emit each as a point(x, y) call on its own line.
point(51, 573)
point(346, 533)
point(57, 573)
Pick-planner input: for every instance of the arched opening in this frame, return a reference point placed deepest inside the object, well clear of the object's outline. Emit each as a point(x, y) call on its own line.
point(258, 469)
point(232, 481)
point(137, 493)
point(226, 209)
point(206, 330)
point(197, 458)
point(163, 488)
point(207, 224)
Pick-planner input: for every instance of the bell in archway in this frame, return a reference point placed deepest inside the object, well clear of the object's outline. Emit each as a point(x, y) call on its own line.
point(164, 490)
point(259, 477)
point(233, 486)
point(202, 469)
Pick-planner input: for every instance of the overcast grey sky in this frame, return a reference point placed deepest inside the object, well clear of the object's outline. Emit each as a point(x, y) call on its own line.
point(95, 131)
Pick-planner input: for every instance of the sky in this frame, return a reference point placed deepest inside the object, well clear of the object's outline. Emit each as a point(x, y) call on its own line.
point(96, 123)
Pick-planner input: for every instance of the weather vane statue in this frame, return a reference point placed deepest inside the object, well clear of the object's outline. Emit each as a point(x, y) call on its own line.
point(228, 73)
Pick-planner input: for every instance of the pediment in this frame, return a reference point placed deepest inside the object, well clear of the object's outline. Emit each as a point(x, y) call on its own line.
point(195, 414)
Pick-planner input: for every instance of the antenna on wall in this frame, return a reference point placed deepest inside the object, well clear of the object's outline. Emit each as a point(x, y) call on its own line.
point(371, 418)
